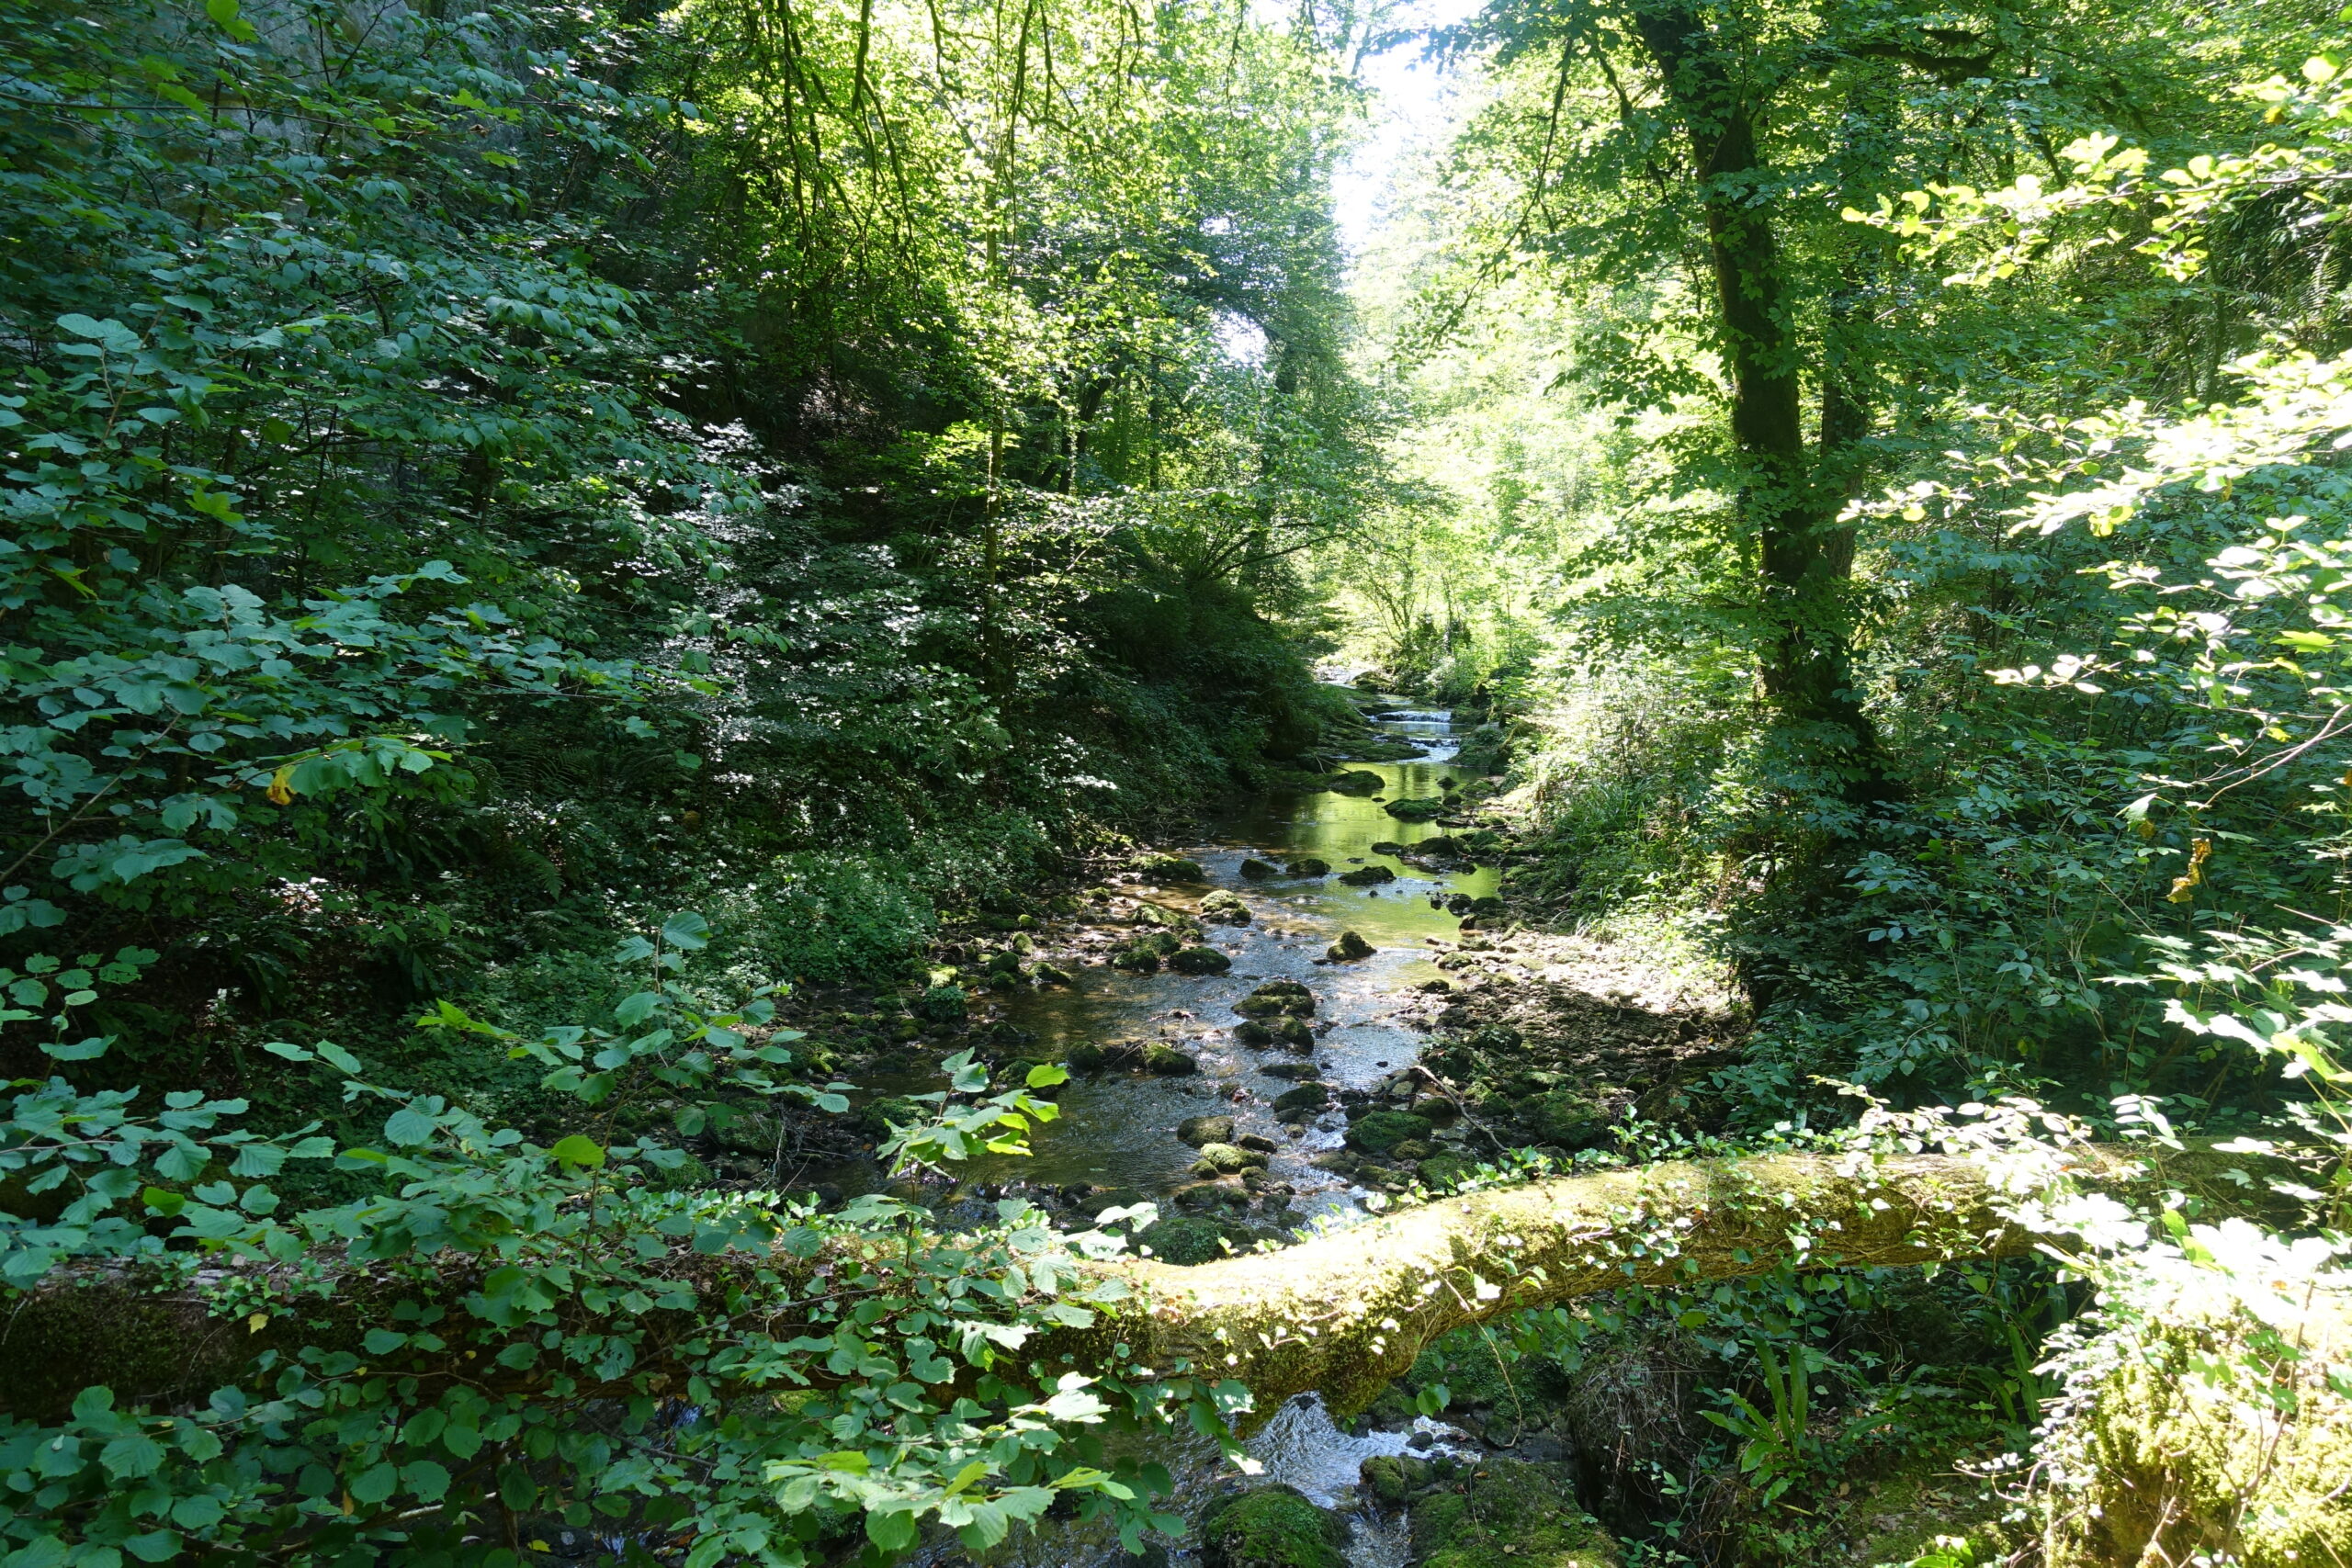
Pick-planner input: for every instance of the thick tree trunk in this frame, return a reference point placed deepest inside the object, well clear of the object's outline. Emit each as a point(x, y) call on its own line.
point(1804, 556)
point(1342, 1314)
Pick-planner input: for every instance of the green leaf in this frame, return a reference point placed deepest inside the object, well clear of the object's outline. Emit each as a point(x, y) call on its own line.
point(580, 1152)
point(892, 1532)
point(224, 13)
point(409, 1127)
point(689, 931)
point(132, 1455)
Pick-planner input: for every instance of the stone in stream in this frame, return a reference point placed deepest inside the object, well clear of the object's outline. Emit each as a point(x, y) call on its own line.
point(1257, 870)
point(1250, 1032)
point(1382, 1131)
point(1294, 1034)
point(1308, 866)
point(1225, 908)
point(1302, 1102)
point(1085, 1056)
point(1228, 1159)
point(1272, 1526)
point(1277, 997)
point(1291, 1070)
point(1199, 961)
point(1416, 810)
point(1169, 868)
point(1349, 947)
point(1368, 876)
point(1168, 1062)
point(1358, 781)
point(1256, 1141)
point(1199, 1129)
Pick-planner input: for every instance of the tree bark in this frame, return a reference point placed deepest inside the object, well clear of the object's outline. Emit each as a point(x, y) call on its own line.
point(1803, 556)
point(1342, 1315)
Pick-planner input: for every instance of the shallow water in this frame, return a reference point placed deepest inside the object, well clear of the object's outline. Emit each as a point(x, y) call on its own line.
point(1117, 1129)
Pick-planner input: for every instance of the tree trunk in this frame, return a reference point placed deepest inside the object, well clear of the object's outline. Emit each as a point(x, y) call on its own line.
point(1804, 557)
point(1342, 1314)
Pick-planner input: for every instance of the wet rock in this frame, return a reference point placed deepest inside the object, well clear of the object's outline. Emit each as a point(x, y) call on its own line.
point(1310, 866)
point(1052, 974)
point(1257, 870)
point(1387, 847)
point(1383, 1477)
point(1169, 868)
point(1250, 1032)
point(1416, 810)
point(1350, 947)
point(1354, 781)
point(1084, 1056)
point(1412, 1149)
point(1256, 1141)
point(1379, 1132)
point(1169, 1062)
point(1199, 1129)
point(1225, 908)
point(1511, 1513)
point(1228, 1159)
point(1273, 1526)
point(1199, 961)
point(1210, 1195)
point(1293, 1034)
point(1277, 997)
point(1303, 1101)
point(1367, 876)
point(1291, 1071)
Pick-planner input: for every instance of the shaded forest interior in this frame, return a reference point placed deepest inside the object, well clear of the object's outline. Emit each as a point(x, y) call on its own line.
point(599, 597)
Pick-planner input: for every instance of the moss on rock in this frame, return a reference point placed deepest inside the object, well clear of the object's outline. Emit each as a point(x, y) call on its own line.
point(1382, 1131)
point(1511, 1515)
point(1273, 1526)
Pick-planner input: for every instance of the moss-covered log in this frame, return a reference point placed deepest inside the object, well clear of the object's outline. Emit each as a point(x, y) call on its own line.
point(1343, 1313)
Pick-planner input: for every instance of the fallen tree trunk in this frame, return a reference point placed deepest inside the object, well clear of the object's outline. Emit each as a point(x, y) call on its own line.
point(1343, 1313)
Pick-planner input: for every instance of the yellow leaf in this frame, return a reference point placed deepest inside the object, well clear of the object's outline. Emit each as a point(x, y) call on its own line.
point(279, 793)
point(257, 1323)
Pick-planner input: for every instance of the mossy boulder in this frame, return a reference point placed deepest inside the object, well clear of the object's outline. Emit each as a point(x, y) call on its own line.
point(1084, 1056)
point(1308, 866)
point(1442, 1170)
point(1382, 1478)
point(1349, 948)
point(1199, 1129)
point(1272, 1526)
point(1250, 1032)
point(1225, 908)
point(1278, 996)
point(1228, 1159)
point(1368, 876)
point(1296, 1072)
point(1382, 1131)
point(1565, 1118)
point(1355, 781)
point(1137, 958)
point(1412, 1149)
point(1052, 974)
point(1512, 1515)
point(1302, 1102)
point(1199, 961)
point(1188, 1240)
point(1418, 810)
point(1166, 1062)
point(1257, 870)
point(1294, 1034)
point(1169, 868)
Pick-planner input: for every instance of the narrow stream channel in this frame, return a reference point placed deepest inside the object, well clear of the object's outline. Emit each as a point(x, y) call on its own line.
point(1117, 1131)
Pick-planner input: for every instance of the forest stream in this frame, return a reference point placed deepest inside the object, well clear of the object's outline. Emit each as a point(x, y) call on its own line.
point(1117, 1131)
